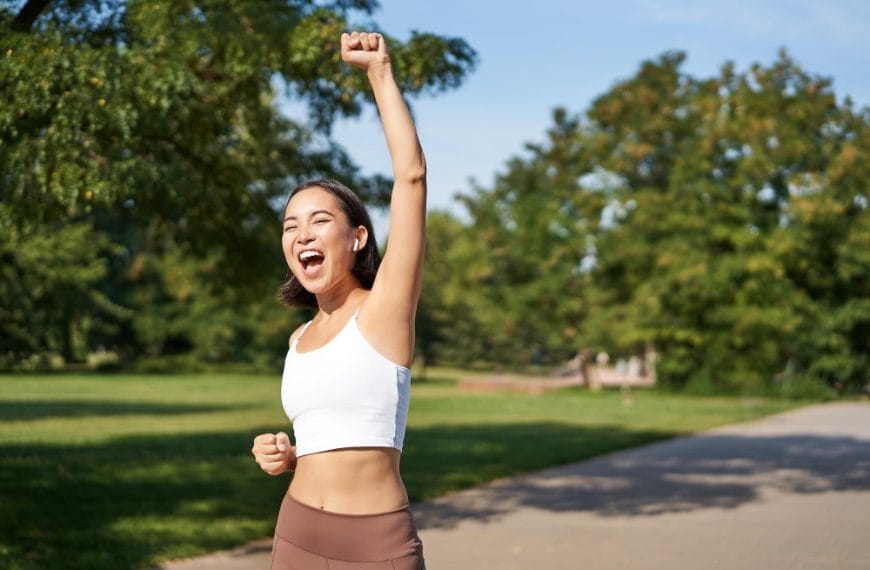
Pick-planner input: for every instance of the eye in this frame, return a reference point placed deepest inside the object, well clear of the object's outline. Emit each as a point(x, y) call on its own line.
point(289, 228)
point(321, 220)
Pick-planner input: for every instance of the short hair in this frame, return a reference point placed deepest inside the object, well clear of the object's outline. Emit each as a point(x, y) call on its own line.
point(365, 267)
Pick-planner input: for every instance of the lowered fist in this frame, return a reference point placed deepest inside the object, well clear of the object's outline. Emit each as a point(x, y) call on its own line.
point(273, 453)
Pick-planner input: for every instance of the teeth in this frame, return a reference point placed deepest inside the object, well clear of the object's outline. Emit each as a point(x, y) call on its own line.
point(308, 255)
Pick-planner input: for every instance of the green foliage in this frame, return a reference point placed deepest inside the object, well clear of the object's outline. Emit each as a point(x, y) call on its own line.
point(50, 300)
point(144, 137)
point(182, 313)
point(512, 280)
point(723, 221)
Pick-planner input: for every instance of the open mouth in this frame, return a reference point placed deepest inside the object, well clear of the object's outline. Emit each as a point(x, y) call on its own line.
point(311, 260)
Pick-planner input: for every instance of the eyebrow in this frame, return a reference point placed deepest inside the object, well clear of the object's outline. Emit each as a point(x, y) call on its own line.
point(314, 213)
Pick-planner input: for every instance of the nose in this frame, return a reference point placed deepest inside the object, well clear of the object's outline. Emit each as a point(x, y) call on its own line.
point(305, 235)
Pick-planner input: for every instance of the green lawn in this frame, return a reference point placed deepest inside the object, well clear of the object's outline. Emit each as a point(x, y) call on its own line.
point(125, 471)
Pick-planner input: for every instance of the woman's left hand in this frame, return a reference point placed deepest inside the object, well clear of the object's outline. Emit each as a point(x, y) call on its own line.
point(364, 50)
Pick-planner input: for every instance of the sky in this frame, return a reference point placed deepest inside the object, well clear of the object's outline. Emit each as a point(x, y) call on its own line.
point(535, 56)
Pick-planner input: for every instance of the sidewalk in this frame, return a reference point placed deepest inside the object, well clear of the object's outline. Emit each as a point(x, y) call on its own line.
point(790, 491)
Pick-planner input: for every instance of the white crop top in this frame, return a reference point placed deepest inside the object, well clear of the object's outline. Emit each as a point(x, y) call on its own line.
point(344, 394)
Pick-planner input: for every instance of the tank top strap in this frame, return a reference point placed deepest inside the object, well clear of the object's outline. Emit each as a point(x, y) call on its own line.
point(302, 332)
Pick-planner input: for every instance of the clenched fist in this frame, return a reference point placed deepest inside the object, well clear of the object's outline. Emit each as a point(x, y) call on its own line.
point(273, 453)
point(364, 50)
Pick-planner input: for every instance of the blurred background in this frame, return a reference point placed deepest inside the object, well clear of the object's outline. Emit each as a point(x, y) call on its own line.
point(634, 193)
point(647, 176)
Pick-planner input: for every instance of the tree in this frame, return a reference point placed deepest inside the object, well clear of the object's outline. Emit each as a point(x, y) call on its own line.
point(169, 107)
point(723, 221)
point(448, 325)
point(714, 170)
point(156, 123)
point(535, 225)
point(50, 299)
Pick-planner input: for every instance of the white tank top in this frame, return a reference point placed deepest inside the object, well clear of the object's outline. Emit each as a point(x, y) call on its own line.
point(344, 394)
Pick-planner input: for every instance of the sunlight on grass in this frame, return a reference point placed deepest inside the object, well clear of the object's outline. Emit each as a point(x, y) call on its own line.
point(124, 471)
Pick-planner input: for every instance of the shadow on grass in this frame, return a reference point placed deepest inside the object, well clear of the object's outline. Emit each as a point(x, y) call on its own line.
point(135, 501)
point(131, 502)
point(22, 410)
point(710, 471)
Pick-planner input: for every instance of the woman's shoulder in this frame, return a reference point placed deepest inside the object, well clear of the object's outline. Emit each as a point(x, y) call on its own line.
point(298, 331)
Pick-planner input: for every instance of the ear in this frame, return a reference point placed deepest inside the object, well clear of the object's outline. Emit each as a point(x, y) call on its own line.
point(361, 234)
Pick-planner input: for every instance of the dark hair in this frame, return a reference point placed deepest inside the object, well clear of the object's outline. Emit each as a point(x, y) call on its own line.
point(368, 259)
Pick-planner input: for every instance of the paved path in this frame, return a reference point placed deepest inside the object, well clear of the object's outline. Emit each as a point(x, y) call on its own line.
point(790, 491)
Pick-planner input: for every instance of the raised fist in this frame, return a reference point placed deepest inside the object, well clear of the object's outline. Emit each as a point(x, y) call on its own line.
point(364, 50)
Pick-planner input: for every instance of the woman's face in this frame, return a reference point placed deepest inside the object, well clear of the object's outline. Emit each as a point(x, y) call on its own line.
point(318, 240)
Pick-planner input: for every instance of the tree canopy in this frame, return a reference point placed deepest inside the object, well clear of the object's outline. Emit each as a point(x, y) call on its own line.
point(132, 129)
point(721, 221)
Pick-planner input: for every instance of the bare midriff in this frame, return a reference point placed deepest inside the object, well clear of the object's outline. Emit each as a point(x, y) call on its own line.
point(356, 481)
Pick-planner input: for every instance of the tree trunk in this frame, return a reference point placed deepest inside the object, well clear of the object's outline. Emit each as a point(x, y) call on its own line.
point(68, 350)
point(23, 22)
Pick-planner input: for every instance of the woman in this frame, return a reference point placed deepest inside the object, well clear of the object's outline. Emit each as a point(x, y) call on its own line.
point(346, 377)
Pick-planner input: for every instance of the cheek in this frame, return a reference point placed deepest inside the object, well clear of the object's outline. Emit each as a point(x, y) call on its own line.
point(287, 246)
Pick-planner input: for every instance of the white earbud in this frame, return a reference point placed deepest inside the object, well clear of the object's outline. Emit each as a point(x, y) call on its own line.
point(355, 244)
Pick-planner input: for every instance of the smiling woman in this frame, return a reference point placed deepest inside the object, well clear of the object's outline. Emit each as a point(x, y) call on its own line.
point(346, 381)
point(327, 202)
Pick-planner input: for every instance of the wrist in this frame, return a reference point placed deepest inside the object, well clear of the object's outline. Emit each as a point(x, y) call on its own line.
point(380, 71)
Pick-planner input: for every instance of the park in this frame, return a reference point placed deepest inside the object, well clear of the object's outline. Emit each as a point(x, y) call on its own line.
point(650, 323)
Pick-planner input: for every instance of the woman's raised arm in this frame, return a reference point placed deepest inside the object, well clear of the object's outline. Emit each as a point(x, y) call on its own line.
point(397, 287)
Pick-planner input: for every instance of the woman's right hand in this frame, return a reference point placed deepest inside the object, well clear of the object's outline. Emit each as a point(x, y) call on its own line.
point(273, 453)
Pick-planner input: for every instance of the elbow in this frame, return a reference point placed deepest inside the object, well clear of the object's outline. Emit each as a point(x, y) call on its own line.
point(415, 177)
point(413, 174)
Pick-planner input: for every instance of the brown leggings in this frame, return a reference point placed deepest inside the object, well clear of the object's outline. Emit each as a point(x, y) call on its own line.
point(307, 538)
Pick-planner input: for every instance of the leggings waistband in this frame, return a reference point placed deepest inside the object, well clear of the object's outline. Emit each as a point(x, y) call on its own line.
point(350, 537)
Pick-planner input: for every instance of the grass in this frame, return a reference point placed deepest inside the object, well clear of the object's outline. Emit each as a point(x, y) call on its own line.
point(126, 471)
